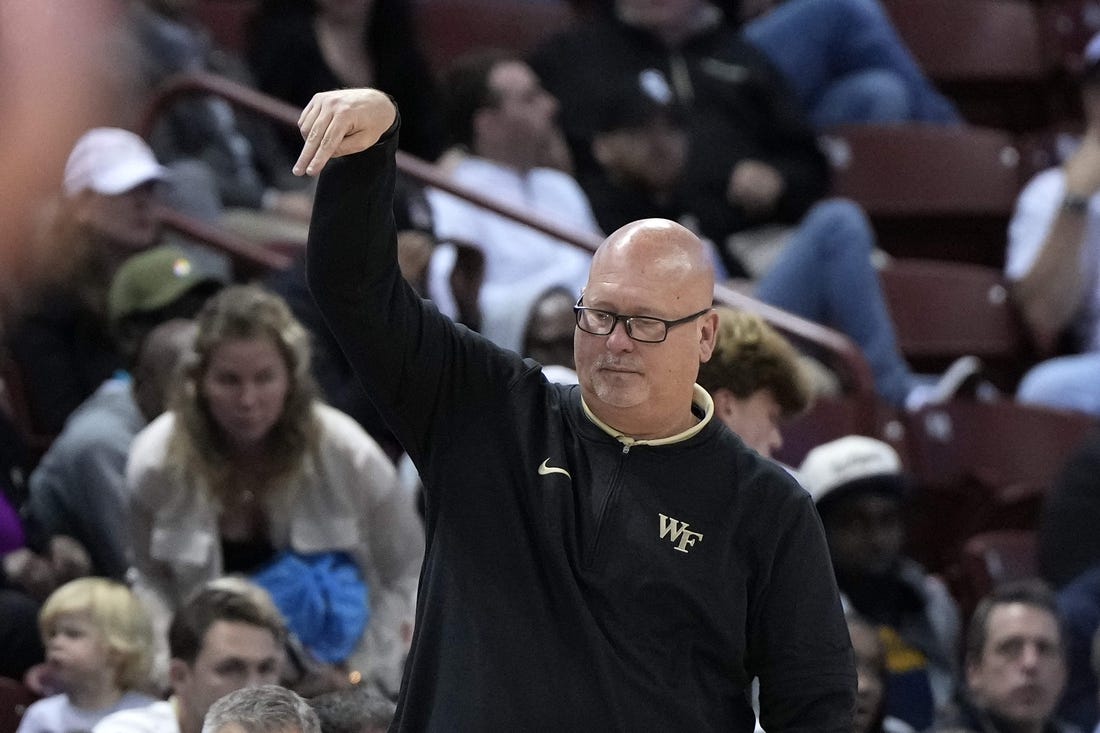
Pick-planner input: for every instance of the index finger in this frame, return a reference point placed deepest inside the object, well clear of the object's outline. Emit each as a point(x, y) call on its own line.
point(312, 127)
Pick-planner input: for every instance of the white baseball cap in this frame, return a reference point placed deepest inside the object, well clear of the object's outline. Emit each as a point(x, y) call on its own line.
point(851, 462)
point(110, 161)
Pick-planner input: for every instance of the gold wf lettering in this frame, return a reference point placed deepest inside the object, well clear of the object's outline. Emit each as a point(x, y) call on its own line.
point(678, 534)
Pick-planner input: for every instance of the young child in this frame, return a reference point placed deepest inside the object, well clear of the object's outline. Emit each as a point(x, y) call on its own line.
point(98, 640)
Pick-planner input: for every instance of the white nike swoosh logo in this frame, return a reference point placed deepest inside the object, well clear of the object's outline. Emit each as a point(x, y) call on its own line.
point(545, 470)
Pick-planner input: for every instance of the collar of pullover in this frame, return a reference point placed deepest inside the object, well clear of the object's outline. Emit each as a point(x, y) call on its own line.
point(701, 404)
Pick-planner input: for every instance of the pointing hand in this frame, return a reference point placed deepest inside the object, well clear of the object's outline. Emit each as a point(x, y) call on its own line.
point(341, 122)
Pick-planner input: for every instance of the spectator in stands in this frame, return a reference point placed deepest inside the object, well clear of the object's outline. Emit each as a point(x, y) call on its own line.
point(62, 343)
point(1069, 559)
point(871, 679)
point(32, 567)
point(249, 473)
point(821, 270)
point(225, 637)
point(556, 526)
point(1015, 664)
point(548, 331)
point(859, 488)
point(242, 159)
point(153, 287)
point(846, 63)
point(1053, 261)
point(263, 709)
point(78, 488)
point(752, 158)
point(300, 47)
point(416, 241)
point(99, 644)
point(1079, 611)
point(18, 609)
point(842, 58)
point(1067, 545)
point(755, 379)
point(353, 710)
point(499, 113)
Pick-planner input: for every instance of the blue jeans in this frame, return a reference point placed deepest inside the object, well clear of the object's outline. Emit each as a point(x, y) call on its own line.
point(824, 274)
point(1065, 382)
point(846, 63)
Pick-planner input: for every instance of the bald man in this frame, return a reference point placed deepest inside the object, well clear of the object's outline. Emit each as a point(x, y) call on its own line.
point(601, 556)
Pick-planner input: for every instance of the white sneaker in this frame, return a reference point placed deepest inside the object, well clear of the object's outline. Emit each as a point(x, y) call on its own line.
point(962, 377)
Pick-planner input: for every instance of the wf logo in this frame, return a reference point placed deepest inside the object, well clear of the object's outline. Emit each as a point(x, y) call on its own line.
point(678, 534)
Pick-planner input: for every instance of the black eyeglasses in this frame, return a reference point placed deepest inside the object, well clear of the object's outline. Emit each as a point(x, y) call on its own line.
point(647, 329)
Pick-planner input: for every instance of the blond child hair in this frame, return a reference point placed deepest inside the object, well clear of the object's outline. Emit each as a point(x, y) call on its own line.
point(118, 615)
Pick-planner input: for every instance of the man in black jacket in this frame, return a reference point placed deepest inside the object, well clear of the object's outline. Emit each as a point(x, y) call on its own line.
point(752, 156)
point(601, 556)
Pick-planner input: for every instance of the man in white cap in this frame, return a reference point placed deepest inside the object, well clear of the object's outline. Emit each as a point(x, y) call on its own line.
point(109, 181)
point(61, 344)
point(1053, 261)
point(859, 487)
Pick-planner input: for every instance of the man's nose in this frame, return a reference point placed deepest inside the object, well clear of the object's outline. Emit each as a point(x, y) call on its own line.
point(256, 678)
point(247, 394)
point(618, 339)
point(1029, 657)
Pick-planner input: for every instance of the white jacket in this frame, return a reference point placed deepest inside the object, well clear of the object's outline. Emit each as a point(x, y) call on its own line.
point(345, 497)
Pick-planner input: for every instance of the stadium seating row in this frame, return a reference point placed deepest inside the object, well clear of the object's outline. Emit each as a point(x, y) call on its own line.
point(1004, 61)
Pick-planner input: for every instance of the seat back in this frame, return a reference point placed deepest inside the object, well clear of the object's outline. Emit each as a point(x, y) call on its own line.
point(827, 419)
point(989, 559)
point(942, 310)
point(982, 466)
point(227, 21)
point(988, 55)
point(933, 191)
point(450, 28)
point(1068, 26)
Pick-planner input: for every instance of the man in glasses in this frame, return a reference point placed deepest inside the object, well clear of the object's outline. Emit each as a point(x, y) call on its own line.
point(601, 556)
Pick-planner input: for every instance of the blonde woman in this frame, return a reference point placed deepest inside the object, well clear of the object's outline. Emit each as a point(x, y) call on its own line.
point(249, 471)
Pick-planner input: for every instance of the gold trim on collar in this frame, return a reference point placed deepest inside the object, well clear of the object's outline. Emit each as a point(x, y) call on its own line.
point(700, 398)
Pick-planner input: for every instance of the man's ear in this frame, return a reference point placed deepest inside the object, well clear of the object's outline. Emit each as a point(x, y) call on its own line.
point(708, 335)
point(482, 125)
point(82, 206)
point(178, 674)
point(971, 670)
point(723, 401)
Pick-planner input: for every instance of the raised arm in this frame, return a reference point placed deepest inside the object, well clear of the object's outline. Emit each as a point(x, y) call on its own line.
point(424, 373)
point(1050, 293)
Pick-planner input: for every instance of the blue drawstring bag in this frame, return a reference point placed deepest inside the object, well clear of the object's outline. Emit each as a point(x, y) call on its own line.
point(323, 598)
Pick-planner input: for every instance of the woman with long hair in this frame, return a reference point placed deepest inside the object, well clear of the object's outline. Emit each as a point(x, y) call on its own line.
point(249, 473)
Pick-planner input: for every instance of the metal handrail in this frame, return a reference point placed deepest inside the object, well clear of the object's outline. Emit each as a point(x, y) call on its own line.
point(859, 383)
